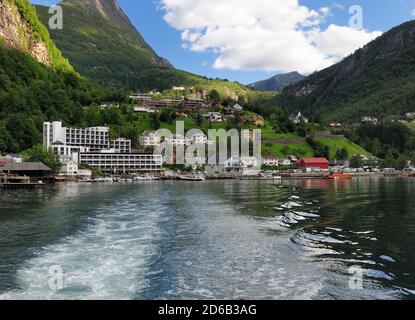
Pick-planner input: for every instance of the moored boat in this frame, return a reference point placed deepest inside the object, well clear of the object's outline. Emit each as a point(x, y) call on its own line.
point(340, 176)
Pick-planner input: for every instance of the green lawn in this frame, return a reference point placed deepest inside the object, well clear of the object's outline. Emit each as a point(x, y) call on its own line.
point(411, 125)
point(280, 150)
point(335, 144)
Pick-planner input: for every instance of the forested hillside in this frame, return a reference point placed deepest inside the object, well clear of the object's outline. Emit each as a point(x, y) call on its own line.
point(377, 80)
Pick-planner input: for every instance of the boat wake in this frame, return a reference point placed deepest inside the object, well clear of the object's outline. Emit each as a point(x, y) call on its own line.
point(108, 260)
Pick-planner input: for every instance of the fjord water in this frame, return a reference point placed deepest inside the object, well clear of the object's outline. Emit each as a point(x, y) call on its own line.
point(210, 240)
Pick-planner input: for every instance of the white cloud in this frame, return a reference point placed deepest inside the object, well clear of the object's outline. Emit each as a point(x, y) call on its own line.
point(266, 35)
point(413, 12)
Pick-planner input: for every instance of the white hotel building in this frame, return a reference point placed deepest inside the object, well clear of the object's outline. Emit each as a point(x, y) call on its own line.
point(64, 141)
point(122, 162)
point(92, 146)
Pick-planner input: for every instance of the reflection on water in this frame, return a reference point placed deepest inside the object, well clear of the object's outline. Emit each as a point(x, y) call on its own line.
point(211, 240)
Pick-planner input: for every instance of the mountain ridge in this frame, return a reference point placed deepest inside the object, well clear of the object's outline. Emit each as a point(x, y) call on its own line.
point(278, 82)
point(376, 80)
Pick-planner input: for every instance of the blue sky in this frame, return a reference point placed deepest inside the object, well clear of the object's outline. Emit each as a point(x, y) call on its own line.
point(247, 59)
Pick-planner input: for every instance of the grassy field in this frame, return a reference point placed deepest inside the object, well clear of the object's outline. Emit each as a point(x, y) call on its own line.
point(411, 125)
point(279, 150)
point(335, 144)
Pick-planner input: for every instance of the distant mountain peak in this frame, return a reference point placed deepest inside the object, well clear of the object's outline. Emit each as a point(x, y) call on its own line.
point(278, 82)
point(110, 9)
point(108, 14)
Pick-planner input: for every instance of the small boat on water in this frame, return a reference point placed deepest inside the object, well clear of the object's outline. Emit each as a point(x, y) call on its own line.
point(340, 176)
point(196, 177)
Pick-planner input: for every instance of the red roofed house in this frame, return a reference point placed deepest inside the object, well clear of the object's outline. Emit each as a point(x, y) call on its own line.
point(313, 163)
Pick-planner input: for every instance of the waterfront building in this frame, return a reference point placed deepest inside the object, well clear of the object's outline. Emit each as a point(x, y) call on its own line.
point(286, 162)
point(121, 145)
point(69, 168)
point(31, 169)
point(93, 138)
point(270, 161)
point(312, 164)
point(121, 163)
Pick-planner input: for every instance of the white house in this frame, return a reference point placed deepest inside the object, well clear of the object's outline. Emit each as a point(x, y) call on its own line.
point(150, 139)
point(284, 162)
point(69, 168)
point(140, 96)
point(370, 120)
point(238, 107)
point(270, 161)
point(298, 118)
point(105, 105)
point(213, 117)
point(15, 158)
point(200, 138)
point(177, 140)
point(147, 109)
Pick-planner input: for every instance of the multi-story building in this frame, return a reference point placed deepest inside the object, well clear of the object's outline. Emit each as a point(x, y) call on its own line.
point(92, 146)
point(121, 145)
point(93, 138)
point(119, 163)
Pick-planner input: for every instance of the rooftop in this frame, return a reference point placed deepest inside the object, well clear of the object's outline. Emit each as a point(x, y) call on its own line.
point(25, 166)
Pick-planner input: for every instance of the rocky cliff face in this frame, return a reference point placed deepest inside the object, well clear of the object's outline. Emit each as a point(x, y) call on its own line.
point(17, 33)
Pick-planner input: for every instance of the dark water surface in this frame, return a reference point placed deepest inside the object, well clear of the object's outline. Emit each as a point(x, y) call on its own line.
point(211, 240)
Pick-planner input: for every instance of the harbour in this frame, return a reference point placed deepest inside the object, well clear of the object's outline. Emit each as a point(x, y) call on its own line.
point(217, 239)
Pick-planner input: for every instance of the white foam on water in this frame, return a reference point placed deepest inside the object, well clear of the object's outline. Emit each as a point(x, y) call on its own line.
point(107, 260)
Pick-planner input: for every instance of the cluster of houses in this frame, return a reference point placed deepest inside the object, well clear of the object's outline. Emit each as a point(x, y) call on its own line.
point(148, 105)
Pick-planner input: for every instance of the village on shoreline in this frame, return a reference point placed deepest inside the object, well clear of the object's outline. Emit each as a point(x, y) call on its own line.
point(90, 155)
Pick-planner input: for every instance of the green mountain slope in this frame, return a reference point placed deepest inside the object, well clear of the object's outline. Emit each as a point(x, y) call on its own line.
point(102, 44)
point(36, 82)
point(377, 80)
point(278, 82)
